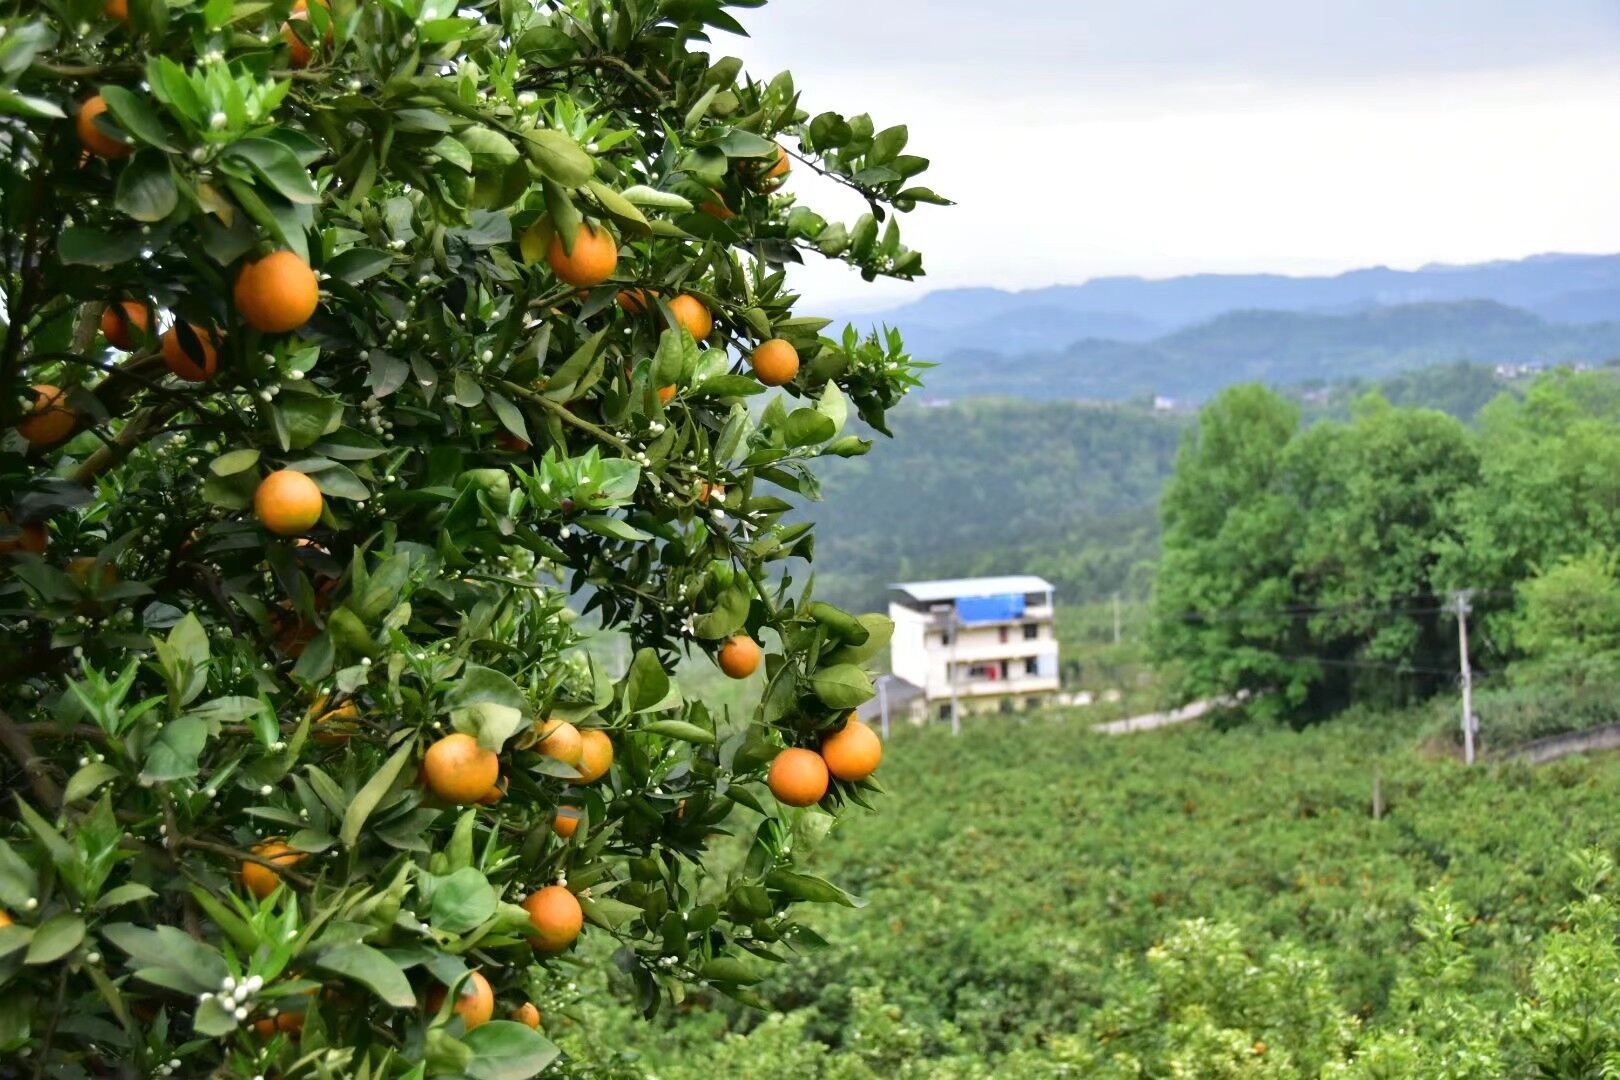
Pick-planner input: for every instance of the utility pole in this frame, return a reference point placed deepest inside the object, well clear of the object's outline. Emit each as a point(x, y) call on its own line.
point(956, 704)
point(1463, 608)
point(883, 703)
point(1116, 618)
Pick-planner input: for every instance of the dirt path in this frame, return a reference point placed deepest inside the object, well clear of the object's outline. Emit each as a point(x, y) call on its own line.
point(1149, 721)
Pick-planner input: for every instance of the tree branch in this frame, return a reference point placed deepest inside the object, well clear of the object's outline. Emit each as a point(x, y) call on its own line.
point(20, 748)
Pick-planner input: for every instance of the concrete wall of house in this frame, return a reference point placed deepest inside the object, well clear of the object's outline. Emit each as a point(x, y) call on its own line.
point(998, 666)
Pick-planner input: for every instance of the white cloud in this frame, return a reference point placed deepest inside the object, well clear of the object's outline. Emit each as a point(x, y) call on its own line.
point(1100, 170)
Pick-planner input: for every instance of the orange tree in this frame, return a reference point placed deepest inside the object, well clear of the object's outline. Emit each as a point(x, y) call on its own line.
point(345, 342)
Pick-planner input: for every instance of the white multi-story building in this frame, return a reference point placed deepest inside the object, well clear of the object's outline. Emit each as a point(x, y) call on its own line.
point(973, 644)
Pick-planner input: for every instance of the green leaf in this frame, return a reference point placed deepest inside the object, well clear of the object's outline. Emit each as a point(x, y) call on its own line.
point(507, 1050)
point(176, 752)
point(84, 782)
point(728, 385)
point(619, 208)
point(733, 969)
point(136, 118)
point(489, 723)
point(367, 798)
point(18, 882)
point(810, 888)
point(80, 245)
point(373, 970)
point(146, 190)
point(559, 157)
point(55, 938)
point(489, 149)
point(459, 902)
point(481, 684)
point(357, 264)
point(806, 427)
point(124, 894)
point(278, 166)
point(728, 616)
point(842, 686)
point(680, 729)
point(879, 629)
point(307, 417)
point(610, 527)
point(646, 683)
point(642, 195)
point(234, 462)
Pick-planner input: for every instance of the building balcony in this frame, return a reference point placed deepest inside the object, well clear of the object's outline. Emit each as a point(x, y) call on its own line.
point(1009, 687)
point(971, 648)
point(942, 620)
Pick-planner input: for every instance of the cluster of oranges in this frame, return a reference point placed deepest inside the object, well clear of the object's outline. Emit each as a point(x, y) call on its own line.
point(457, 770)
point(799, 777)
point(592, 259)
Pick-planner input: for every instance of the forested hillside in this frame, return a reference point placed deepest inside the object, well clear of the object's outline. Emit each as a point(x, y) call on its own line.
point(1065, 489)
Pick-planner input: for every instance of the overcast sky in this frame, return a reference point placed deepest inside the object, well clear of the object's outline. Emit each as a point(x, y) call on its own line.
point(1160, 137)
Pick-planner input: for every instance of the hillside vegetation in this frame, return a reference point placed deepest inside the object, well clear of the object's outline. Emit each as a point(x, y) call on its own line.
point(1043, 899)
point(1066, 489)
point(1276, 347)
point(1313, 565)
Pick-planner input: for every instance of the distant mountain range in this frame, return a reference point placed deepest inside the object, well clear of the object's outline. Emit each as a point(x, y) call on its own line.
point(1186, 337)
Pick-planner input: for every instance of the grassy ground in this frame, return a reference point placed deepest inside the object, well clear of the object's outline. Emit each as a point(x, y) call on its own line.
point(1017, 876)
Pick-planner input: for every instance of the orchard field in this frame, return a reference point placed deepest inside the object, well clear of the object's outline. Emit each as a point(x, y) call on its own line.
point(1043, 901)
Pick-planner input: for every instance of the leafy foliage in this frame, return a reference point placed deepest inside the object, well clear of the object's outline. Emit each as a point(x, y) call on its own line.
point(1042, 898)
point(1310, 565)
point(254, 730)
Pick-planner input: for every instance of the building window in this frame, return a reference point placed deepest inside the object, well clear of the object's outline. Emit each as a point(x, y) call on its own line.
point(1008, 705)
point(1031, 667)
point(982, 671)
point(945, 637)
point(1031, 631)
point(945, 711)
point(1003, 632)
point(1032, 703)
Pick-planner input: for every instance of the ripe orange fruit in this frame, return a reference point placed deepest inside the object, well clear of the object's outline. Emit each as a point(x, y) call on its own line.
point(633, 301)
point(717, 208)
point(5, 918)
point(259, 879)
point(120, 318)
point(852, 753)
point(593, 260)
point(50, 420)
point(596, 755)
point(287, 503)
point(775, 362)
point(458, 770)
point(773, 177)
point(527, 1015)
point(339, 724)
point(711, 491)
point(511, 443)
point(287, 1021)
point(95, 140)
point(277, 293)
point(556, 914)
point(739, 656)
point(691, 313)
point(666, 394)
point(79, 569)
point(565, 822)
point(561, 740)
point(298, 53)
point(496, 792)
point(116, 9)
point(798, 777)
point(475, 1001)
point(31, 536)
point(193, 358)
